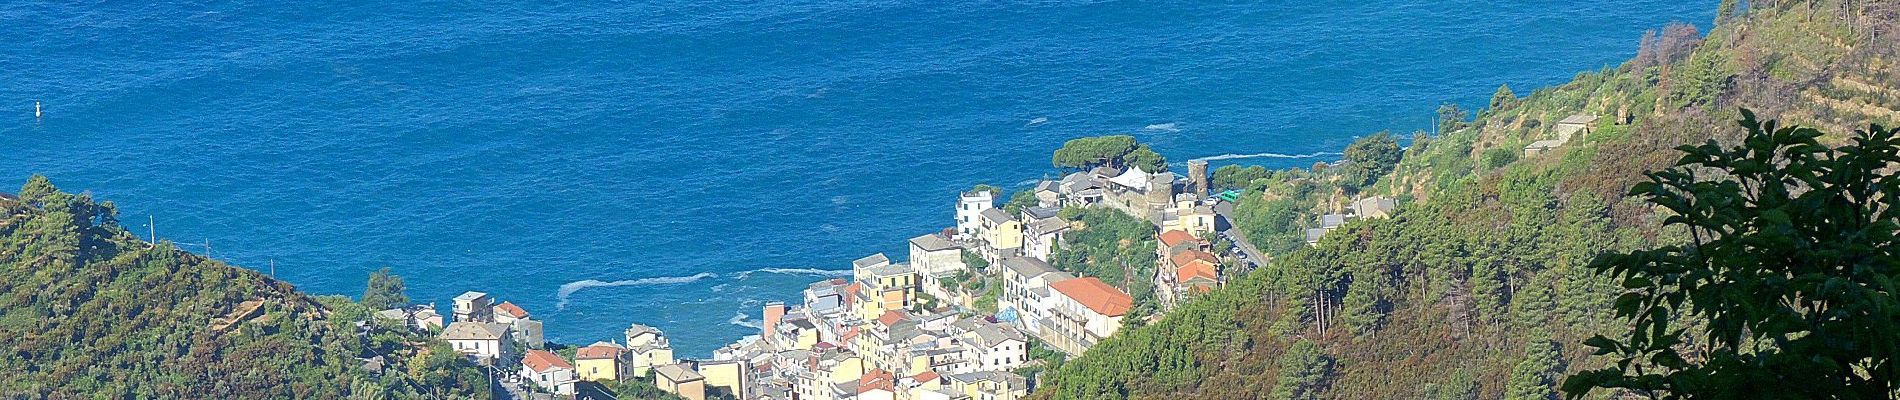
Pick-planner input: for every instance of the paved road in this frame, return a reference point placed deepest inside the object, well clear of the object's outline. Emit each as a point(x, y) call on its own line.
point(1225, 211)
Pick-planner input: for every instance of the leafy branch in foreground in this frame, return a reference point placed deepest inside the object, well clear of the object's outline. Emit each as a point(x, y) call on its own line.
point(1788, 282)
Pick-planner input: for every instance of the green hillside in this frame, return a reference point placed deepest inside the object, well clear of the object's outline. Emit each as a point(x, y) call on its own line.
point(88, 310)
point(1478, 287)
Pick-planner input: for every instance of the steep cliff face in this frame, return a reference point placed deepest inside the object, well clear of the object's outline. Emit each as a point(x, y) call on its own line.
point(1476, 288)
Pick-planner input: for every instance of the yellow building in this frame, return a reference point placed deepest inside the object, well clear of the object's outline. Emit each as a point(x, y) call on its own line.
point(729, 375)
point(679, 380)
point(647, 347)
point(992, 385)
point(601, 362)
point(886, 288)
point(1001, 231)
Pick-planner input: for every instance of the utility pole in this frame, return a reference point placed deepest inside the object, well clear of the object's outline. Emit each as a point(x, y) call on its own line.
point(152, 223)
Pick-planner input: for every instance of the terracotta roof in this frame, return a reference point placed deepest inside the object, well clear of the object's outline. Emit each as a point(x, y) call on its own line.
point(1175, 237)
point(1096, 295)
point(512, 310)
point(890, 317)
point(596, 353)
point(542, 361)
point(1182, 259)
point(848, 335)
point(877, 379)
point(1196, 270)
point(926, 377)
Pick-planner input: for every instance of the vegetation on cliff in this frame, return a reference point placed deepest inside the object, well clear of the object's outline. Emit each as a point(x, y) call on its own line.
point(1480, 285)
point(90, 310)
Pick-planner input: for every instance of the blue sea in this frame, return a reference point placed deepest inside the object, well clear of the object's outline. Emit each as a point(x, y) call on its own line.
point(677, 163)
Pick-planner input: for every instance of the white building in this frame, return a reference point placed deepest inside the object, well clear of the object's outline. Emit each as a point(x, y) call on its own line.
point(549, 371)
point(484, 341)
point(969, 206)
point(936, 259)
point(1087, 310)
point(1026, 289)
point(1040, 237)
point(474, 307)
point(648, 348)
point(996, 347)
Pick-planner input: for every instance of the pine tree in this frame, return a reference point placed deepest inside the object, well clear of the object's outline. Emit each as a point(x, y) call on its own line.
point(1504, 98)
point(1303, 372)
point(385, 291)
point(1534, 377)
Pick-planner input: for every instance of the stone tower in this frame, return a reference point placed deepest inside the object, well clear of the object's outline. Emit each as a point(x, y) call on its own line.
point(1197, 178)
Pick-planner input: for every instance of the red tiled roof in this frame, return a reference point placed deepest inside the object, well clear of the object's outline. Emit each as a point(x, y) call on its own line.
point(1196, 270)
point(542, 361)
point(1175, 237)
point(927, 376)
point(596, 353)
point(876, 379)
point(848, 335)
point(1182, 259)
point(1096, 295)
point(890, 318)
point(512, 310)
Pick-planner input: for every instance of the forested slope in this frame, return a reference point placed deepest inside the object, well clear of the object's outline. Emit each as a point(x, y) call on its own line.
point(88, 310)
point(1478, 286)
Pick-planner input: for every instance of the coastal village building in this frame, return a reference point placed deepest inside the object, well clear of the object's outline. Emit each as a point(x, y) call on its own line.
point(999, 235)
point(508, 313)
point(1186, 268)
point(824, 298)
point(647, 347)
point(548, 371)
point(1137, 192)
point(730, 376)
point(882, 286)
point(936, 259)
point(474, 307)
point(1048, 194)
point(1042, 229)
point(996, 347)
point(1374, 207)
point(969, 205)
point(419, 318)
point(602, 362)
point(1189, 214)
point(485, 342)
point(989, 385)
point(1564, 129)
point(1026, 290)
point(679, 380)
point(1087, 310)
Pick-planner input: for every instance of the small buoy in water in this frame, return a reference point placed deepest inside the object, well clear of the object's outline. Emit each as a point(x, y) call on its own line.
point(36, 109)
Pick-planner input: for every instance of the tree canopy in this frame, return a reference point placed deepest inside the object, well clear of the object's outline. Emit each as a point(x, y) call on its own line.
point(1788, 276)
point(385, 291)
point(1369, 158)
point(1114, 150)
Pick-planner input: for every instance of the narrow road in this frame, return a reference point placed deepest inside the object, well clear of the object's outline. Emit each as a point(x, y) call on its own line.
point(1224, 212)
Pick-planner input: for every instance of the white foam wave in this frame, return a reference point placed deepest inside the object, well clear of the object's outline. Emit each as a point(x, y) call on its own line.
point(796, 271)
point(1167, 127)
point(575, 286)
point(1231, 156)
point(740, 319)
point(1037, 121)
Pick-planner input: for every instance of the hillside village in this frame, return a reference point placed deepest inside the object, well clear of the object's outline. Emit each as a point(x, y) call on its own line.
point(973, 311)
